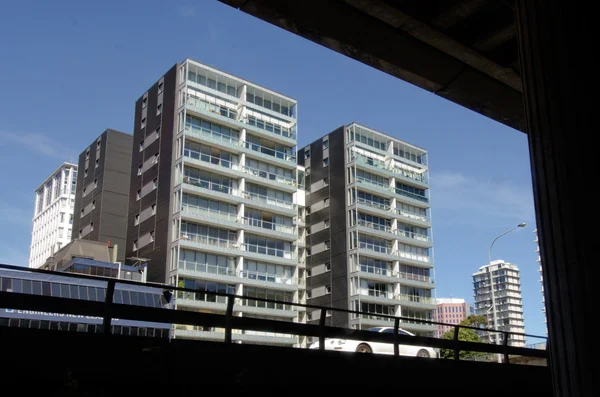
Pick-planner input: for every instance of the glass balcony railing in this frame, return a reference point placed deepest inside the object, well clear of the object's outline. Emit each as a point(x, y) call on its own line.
point(269, 225)
point(268, 200)
point(270, 176)
point(374, 270)
point(282, 155)
point(412, 215)
point(204, 184)
point(414, 257)
point(415, 277)
point(267, 305)
point(206, 268)
point(204, 106)
point(375, 226)
point(201, 297)
point(208, 212)
point(376, 163)
point(216, 161)
point(207, 240)
point(375, 316)
point(268, 277)
point(375, 248)
point(270, 127)
point(270, 251)
point(374, 204)
point(413, 196)
point(206, 134)
point(411, 235)
point(416, 298)
point(378, 185)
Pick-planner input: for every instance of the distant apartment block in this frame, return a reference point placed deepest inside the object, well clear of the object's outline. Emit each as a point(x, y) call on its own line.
point(367, 242)
point(53, 214)
point(213, 196)
point(451, 311)
point(102, 196)
point(505, 279)
point(539, 260)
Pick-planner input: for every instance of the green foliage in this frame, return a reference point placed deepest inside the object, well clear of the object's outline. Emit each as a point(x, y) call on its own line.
point(465, 334)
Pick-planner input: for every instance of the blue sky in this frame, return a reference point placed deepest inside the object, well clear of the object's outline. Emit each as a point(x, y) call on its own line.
point(72, 69)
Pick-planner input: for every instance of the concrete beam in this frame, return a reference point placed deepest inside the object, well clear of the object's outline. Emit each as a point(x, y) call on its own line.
point(349, 31)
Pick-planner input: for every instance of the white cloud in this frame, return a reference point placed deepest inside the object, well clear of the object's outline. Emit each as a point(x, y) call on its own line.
point(38, 143)
point(455, 192)
point(186, 11)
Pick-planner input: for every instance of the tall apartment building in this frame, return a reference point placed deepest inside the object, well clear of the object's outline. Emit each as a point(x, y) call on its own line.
point(539, 260)
point(53, 214)
point(450, 311)
point(368, 237)
point(506, 280)
point(102, 197)
point(212, 195)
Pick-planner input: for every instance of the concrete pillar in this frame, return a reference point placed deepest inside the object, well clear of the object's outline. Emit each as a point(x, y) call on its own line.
point(556, 42)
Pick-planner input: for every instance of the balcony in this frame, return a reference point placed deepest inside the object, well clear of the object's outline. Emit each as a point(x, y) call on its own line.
point(380, 188)
point(270, 229)
point(274, 132)
point(412, 217)
point(270, 155)
point(211, 189)
point(415, 280)
point(211, 163)
point(221, 141)
point(207, 272)
point(374, 320)
point(375, 229)
point(209, 244)
point(274, 255)
point(376, 251)
point(223, 115)
point(270, 204)
point(252, 306)
point(201, 300)
point(376, 296)
point(411, 198)
point(390, 170)
point(419, 240)
point(421, 302)
point(269, 280)
point(269, 179)
point(414, 259)
point(417, 326)
point(209, 216)
point(375, 273)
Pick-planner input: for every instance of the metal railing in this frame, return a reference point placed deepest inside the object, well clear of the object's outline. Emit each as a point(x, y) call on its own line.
point(375, 226)
point(214, 136)
point(107, 310)
point(270, 127)
point(206, 268)
point(200, 104)
point(270, 152)
point(411, 235)
point(375, 248)
point(374, 270)
point(415, 277)
point(207, 158)
point(412, 215)
point(268, 277)
point(208, 240)
point(204, 184)
point(413, 196)
point(278, 227)
point(416, 298)
point(373, 204)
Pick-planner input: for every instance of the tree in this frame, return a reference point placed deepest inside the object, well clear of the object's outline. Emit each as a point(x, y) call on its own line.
point(466, 335)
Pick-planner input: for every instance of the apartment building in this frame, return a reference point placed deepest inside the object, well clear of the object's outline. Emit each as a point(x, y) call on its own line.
point(53, 214)
point(539, 260)
point(102, 196)
point(498, 285)
point(214, 196)
point(451, 311)
point(368, 229)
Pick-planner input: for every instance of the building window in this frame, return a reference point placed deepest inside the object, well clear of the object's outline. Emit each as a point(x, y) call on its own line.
point(326, 223)
point(97, 163)
point(326, 143)
point(307, 230)
point(144, 102)
point(308, 252)
point(94, 204)
point(83, 191)
point(307, 154)
point(141, 146)
point(139, 195)
point(91, 226)
point(326, 181)
point(308, 273)
point(328, 289)
point(153, 209)
point(87, 154)
point(136, 221)
point(135, 245)
point(85, 172)
point(328, 266)
point(152, 235)
point(80, 232)
point(326, 202)
point(159, 109)
point(326, 162)
point(155, 183)
point(155, 160)
point(98, 143)
point(327, 244)
point(143, 125)
point(160, 87)
point(140, 168)
point(95, 182)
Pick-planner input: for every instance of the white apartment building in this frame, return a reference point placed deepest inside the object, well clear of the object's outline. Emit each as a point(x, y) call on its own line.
point(505, 279)
point(53, 214)
point(229, 205)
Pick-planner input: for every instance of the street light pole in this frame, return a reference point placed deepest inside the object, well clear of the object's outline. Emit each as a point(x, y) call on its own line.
point(494, 313)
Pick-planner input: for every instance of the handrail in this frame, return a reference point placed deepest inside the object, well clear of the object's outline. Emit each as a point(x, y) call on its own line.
point(107, 311)
point(207, 158)
point(196, 210)
point(268, 225)
point(219, 242)
point(269, 152)
point(263, 250)
point(204, 184)
point(269, 175)
point(267, 199)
